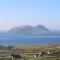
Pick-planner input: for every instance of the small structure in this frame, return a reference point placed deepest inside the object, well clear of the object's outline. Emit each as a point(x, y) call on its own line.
point(35, 55)
point(50, 53)
point(10, 57)
point(38, 54)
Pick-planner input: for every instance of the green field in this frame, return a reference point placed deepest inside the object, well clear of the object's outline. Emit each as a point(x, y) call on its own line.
point(26, 52)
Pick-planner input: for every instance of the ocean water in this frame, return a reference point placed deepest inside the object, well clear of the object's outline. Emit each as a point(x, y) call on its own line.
point(7, 38)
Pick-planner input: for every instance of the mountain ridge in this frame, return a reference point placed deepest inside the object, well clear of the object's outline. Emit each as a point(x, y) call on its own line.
point(39, 29)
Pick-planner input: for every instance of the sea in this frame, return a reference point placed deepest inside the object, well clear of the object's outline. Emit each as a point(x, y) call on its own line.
point(10, 38)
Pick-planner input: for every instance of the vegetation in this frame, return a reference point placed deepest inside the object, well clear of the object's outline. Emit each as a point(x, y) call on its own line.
point(30, 52)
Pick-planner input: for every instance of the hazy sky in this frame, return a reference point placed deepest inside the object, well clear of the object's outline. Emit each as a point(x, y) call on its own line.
point(29, 12)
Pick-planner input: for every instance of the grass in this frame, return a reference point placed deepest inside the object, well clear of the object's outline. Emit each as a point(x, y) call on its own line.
point(28, 50)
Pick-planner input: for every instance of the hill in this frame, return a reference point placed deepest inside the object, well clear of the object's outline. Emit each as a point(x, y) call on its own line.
point(39, 29)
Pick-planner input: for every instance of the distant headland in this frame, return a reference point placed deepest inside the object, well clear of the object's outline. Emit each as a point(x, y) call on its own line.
point(39, 29)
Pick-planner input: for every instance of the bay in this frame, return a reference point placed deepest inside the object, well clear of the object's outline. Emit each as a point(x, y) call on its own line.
point(7, 38)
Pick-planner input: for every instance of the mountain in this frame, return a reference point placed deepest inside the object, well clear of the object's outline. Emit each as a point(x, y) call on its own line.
point(39, 29)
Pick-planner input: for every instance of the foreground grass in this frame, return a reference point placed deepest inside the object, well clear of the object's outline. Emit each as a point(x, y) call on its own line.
point(26, 52)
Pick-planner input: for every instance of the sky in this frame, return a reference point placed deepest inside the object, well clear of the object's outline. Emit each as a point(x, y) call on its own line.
point(29, 12)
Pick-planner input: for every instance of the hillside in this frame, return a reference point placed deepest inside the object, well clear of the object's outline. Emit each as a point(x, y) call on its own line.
point(39, 29)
